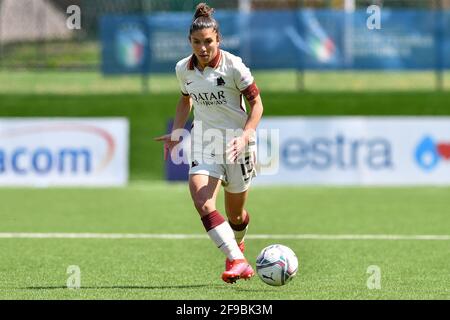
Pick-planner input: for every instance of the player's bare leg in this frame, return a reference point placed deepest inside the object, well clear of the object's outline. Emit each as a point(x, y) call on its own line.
point(204, 190)
point(234, 207)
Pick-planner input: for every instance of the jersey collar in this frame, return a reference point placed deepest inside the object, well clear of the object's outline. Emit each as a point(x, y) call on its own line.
point(213, 64)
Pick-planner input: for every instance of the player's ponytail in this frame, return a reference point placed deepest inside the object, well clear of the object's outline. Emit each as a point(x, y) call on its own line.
point(203, 19)
point(203, 10)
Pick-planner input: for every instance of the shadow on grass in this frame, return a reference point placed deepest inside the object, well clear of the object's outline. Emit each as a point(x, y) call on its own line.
point(197, 286)
point(124, 287)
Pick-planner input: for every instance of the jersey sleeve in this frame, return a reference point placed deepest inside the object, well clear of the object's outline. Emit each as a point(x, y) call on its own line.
point(181, 81)
point(244, 80)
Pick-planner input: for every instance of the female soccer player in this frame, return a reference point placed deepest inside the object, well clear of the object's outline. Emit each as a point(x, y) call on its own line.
point(214, 82)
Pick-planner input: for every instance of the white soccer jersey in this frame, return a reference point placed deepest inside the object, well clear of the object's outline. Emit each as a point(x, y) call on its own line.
point(217, 95)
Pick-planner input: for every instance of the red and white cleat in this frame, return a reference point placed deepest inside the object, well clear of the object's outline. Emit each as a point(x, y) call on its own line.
point(228, 264)
point(240, 269)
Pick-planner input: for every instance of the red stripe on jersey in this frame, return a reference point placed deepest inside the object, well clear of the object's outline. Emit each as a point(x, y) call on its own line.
point(251, 92)
point(191, 62)
point(214, 63)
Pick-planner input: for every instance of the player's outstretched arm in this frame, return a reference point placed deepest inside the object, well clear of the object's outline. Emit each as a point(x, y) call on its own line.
point(181, 116)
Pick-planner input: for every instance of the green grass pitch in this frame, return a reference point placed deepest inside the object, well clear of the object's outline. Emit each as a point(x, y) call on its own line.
point(57, 82)
point(191, 268)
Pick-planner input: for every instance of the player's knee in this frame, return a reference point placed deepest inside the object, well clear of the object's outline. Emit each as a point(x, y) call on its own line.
point(204, 207)
point(236, 218)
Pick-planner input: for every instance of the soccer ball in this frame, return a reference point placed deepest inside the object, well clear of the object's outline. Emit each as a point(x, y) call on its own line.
point(276, 265)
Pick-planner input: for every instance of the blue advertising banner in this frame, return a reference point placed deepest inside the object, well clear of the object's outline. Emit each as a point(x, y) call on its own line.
point(284, 39)
point(407, 40)
point(169, 41)
point(125, 45)
point(177, 164)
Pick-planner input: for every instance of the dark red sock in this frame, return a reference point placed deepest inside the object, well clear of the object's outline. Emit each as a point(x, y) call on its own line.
point(242, 226)
point(212, 220)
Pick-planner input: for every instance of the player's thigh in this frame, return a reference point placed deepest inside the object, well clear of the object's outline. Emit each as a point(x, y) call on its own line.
point(204, 190)
point(235, 202)
point(239, 177)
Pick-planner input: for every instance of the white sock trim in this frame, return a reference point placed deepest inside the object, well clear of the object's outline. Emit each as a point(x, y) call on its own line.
point(240, 235)
point(223, 237)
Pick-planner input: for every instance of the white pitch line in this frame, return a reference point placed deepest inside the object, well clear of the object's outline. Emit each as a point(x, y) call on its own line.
point(23, 235)
point(349, 237)
point(100, 236)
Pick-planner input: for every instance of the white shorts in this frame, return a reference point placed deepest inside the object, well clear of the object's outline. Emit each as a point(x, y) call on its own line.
point(236, 177)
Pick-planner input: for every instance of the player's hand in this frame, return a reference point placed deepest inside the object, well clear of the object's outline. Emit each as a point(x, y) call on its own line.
point(168, 143)
point(235, 148)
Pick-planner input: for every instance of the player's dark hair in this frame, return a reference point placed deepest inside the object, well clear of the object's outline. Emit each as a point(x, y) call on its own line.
point(203, 19)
